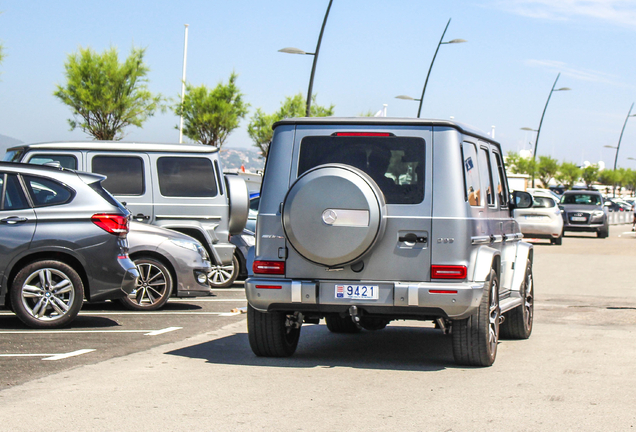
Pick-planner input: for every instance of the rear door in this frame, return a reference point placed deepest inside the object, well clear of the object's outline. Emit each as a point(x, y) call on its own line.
point(129, 179)
point(397, 159)
point(17, 220)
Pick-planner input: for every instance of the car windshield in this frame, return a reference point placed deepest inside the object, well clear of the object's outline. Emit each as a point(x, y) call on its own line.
point(581, 198)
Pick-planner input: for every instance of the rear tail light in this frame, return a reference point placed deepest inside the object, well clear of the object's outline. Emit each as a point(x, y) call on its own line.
point(269, 287)
point(112, 223)
point(269, 267)
point(448, 272)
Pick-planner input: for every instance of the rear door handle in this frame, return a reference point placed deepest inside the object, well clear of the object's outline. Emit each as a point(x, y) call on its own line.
point(140, 217)
point(412, 238)
point(12, 220)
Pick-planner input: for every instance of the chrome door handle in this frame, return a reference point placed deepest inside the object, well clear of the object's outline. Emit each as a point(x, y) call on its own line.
point(12, 220)
point(140, 217)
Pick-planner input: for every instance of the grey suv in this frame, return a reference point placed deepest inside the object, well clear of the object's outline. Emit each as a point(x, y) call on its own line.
point(63, 239)
point(365, 220)
point(584, 210)
point(175, 186)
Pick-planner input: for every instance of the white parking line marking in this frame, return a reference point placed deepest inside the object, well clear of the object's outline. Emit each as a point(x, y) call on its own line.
point(97, 313)
point(162, 331)
point(146, 332)
point(67, 355)
point(52, 357)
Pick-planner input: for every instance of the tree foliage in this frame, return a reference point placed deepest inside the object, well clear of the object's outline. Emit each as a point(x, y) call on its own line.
point(105, 95)
point(520, 165)
point(590, 175)
point(210, 115)
point(260, 126)
point(569, 173)
point(547, 168)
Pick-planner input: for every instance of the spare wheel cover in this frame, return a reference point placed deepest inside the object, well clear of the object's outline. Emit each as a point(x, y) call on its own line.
point(334, 214)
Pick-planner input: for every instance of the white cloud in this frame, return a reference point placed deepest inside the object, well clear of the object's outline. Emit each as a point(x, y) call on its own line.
point(622, 12)
point(579, 74)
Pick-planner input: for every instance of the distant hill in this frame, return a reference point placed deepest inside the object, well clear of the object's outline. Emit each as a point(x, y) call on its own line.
point(233, 158)
point(6, 142)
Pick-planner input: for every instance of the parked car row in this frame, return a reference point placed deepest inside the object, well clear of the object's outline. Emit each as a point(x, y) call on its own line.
point(576, 210)
point(178, 214)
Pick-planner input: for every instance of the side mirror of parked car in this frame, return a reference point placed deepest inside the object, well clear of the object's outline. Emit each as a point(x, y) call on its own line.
point(521, 199)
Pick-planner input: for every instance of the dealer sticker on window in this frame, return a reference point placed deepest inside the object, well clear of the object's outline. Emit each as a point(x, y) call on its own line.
point(358, 292)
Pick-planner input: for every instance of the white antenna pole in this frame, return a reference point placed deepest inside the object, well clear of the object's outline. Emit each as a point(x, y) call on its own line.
point(493, 132)
point(183, 80)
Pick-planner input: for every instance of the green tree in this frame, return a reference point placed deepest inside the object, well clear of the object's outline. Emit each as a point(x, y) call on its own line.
point(105, 95)
point(210, 115)
point(547, 168)
point(590, 175)
point(260, 126)
point(569, 173)
point(520, 165)
point(630, 180)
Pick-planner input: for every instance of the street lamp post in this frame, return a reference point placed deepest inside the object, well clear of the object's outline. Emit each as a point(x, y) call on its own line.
point(419, 110)
point(315, 54)
point(629, 114)
point(183, 78)
point(536, 143)
point(421, 99)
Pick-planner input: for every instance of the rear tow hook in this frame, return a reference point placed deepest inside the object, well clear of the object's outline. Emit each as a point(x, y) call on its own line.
point(355, 314)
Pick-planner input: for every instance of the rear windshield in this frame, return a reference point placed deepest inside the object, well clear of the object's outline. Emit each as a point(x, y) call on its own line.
point(543, 202)
point(582, 198)
point(395, 163)
point(13, 156)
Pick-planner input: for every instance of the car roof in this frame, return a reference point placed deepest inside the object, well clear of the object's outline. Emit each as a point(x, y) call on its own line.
point(117, 146)
point(384, 121)
point(24, 168)
point(582, 191)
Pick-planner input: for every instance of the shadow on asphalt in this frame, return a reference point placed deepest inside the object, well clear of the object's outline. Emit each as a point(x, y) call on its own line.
point(116, 306)
point(11, 322)
point(394, 348)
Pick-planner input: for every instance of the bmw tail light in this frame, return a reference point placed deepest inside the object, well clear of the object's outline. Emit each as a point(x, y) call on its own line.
point(112, 223)
point(269, 267)
point(448, 272)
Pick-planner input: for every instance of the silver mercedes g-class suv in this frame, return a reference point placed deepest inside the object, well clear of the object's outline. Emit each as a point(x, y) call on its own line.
point(366, 220)
point(175, 186)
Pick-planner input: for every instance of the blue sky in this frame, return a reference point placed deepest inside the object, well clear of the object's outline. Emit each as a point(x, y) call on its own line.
point(371, 52)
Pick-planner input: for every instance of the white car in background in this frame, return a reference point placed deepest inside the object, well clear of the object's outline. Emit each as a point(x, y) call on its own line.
point(543, 220)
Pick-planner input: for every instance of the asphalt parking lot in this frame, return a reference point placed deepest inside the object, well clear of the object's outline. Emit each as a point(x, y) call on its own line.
point(106, 330)
point(575, 373)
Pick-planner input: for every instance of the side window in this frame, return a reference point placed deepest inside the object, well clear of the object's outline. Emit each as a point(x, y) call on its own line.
point(471, 174)
point(46, 192)
point(125, 174)
point(66, 161)
point(186, 177)
point(486, 175)
point(13, 197)
point(502, 185)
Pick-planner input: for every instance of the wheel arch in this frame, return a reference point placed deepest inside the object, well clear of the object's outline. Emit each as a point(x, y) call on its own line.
point(68, 259)
point(163, 260)
point(525, 253)
point(487, 258)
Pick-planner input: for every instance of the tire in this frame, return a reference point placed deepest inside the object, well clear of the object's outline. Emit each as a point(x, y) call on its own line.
point(153, 288)
point(338, 324)
point(475, 338)
point(518, 322)
point(603, 233)
point(223, 276)
point(270, 333)
point(47, 294)
point(557, 241)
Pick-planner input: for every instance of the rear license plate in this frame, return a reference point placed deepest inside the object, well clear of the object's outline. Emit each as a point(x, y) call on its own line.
point(578, 218)
point(358, 292)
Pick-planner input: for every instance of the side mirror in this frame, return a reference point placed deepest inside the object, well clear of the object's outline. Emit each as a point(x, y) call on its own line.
point(521, 199)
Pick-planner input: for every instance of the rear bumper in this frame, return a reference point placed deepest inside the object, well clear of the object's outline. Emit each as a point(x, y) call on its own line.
point(396, 299)
point(129, 275)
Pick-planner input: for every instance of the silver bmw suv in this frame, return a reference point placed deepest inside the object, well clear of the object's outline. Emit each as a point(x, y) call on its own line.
point(364, 220)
